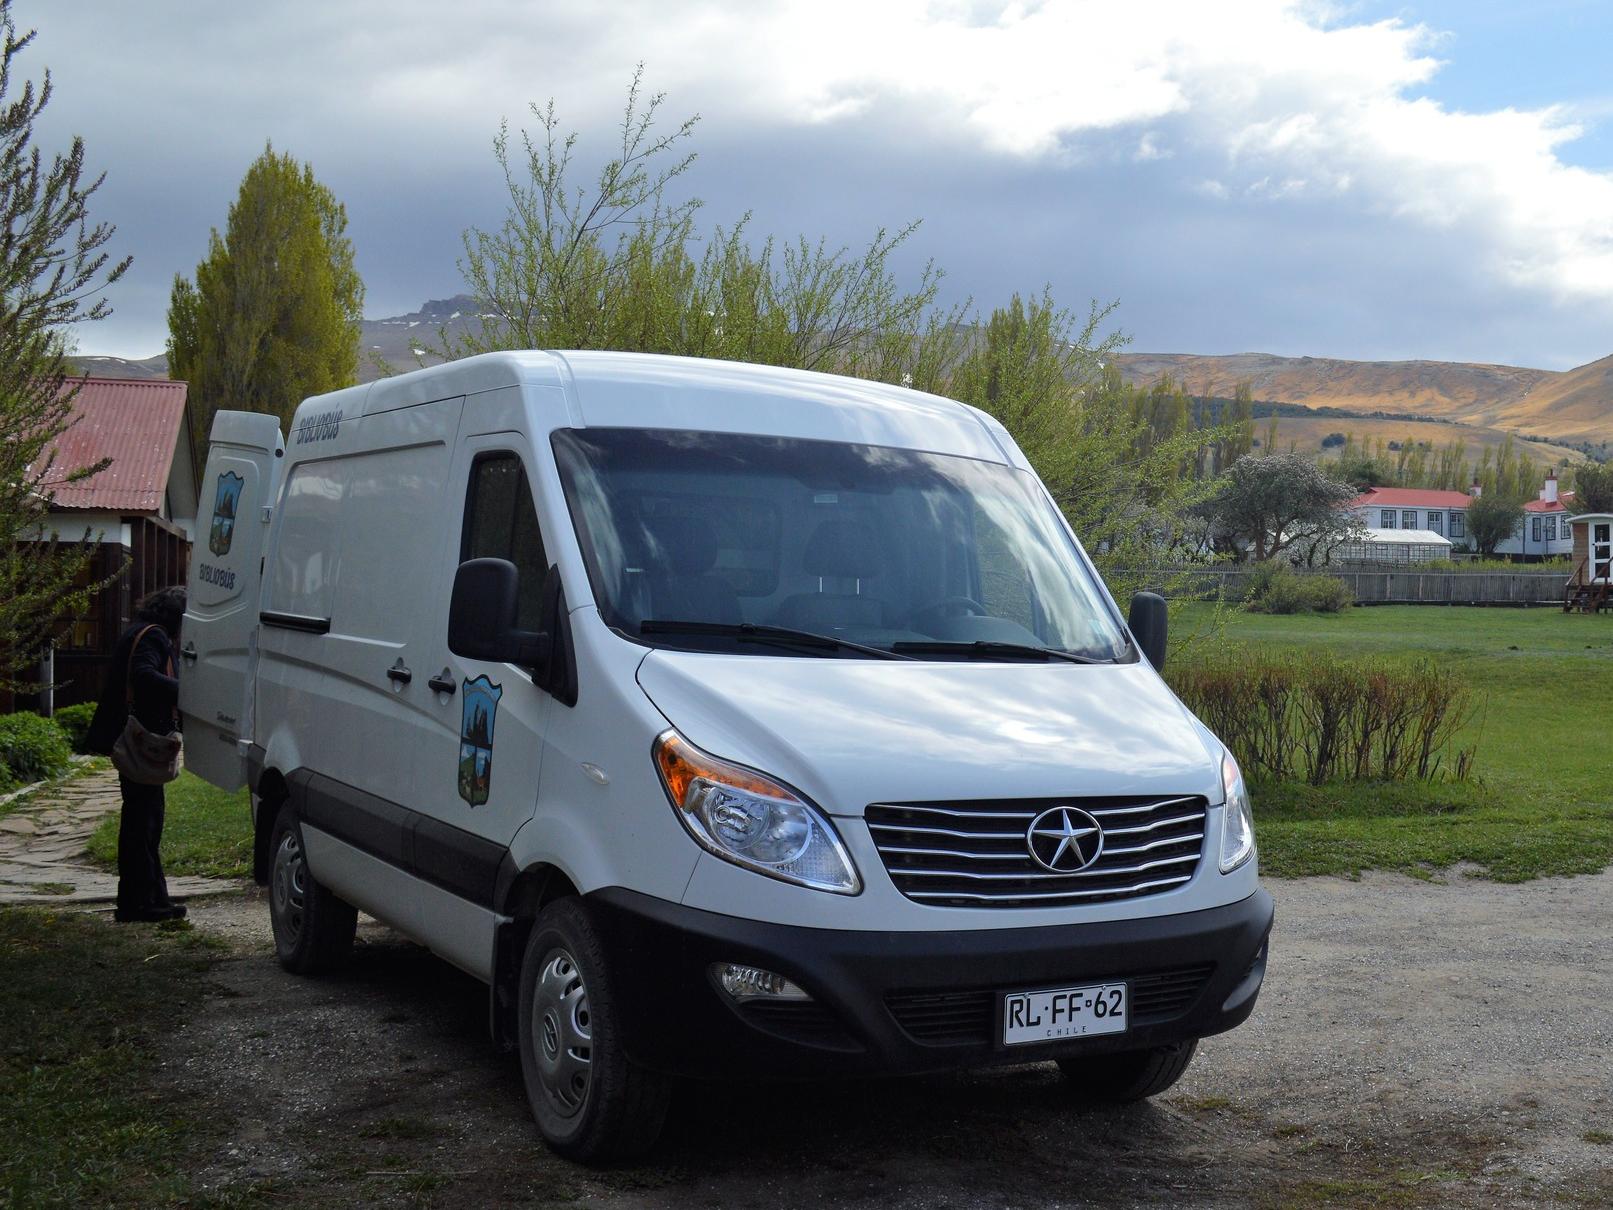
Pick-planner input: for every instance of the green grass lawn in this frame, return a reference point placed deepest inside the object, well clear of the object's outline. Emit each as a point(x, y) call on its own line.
point(1543, 799)
point(206, 831)
point(83, 1002)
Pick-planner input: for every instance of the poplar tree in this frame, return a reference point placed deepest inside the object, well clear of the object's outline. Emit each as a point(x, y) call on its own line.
point(274, 311)
point(53, 267)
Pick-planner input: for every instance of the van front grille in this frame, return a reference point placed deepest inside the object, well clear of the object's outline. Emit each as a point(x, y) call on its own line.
point(976, 854)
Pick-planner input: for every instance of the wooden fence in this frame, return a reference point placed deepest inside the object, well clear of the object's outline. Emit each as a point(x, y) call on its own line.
point(1404, 587)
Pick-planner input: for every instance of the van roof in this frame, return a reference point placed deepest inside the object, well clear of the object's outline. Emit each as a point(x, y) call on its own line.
point(649, 390)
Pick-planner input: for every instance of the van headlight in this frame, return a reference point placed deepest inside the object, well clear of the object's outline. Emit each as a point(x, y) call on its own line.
point(1237, 821)
point(751, 820)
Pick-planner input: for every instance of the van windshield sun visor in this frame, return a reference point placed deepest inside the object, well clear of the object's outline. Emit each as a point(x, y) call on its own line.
point(774, 542)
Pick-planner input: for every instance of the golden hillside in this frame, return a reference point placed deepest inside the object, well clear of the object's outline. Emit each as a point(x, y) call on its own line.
point(1569, 405)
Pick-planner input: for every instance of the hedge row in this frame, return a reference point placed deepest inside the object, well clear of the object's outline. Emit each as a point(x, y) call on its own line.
point(1314, 717)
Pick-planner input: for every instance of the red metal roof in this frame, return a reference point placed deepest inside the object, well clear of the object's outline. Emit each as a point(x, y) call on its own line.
point(136, 423)
point(1411, 497)
point(1559, 505)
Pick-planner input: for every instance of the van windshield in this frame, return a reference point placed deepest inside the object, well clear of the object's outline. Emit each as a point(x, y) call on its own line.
point(919, 554)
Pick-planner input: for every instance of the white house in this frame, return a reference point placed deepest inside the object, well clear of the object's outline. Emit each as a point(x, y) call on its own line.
point(1542, 531)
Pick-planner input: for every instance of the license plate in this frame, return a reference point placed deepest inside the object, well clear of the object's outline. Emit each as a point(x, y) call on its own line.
point(1067, 1012)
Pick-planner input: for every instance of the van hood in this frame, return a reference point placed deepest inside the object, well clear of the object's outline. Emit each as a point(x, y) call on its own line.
point(852, 732)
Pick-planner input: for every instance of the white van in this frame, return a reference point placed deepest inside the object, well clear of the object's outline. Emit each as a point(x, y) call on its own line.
point(725, 720)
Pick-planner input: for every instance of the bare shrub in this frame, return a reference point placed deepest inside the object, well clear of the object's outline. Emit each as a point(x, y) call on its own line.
point(1315, 717)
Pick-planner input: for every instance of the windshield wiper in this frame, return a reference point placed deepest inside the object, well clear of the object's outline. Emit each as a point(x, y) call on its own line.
point(750, 632)
point(988, 647)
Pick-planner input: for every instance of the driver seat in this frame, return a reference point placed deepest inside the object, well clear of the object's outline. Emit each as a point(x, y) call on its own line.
point(837, 550)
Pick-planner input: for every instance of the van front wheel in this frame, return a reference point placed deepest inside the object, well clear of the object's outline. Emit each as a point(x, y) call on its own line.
point(1131, 1075)
point(313, 929)
point(591, 1102)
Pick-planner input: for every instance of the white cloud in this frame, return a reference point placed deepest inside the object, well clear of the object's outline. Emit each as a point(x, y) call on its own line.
point(1269, 108)
point(1287, 100)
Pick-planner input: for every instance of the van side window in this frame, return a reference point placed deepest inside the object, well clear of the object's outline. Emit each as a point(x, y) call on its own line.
point(308, 556)
point(501, 523)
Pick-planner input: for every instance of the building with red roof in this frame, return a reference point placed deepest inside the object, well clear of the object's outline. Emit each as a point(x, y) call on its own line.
point(139, 511)
point(1542, 533)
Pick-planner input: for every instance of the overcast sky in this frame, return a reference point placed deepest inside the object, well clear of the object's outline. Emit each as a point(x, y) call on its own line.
point(1364, 180)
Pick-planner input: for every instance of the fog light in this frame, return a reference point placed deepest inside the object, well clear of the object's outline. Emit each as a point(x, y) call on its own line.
point(753, 983)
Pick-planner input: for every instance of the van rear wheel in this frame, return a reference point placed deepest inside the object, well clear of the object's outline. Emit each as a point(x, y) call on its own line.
point(313, 929)
point(591, 1103)
point(1131, 1075)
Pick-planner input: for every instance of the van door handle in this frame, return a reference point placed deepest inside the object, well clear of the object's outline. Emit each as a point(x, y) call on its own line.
point(442, 682)
point(399, 673)
point(189, 652)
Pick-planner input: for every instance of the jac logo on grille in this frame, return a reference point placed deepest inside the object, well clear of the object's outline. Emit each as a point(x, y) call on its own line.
point(1065, 840)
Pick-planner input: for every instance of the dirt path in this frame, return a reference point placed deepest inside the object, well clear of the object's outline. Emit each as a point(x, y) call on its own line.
point(42, 843)
point(1417, 1044)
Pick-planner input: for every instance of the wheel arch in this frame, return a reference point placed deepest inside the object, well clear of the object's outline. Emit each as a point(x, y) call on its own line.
point(520, 895)
point(270, 791)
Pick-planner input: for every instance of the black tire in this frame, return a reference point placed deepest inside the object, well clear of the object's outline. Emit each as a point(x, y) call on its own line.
point(1131, 1075)
point(592, 1104)
point(313, 929)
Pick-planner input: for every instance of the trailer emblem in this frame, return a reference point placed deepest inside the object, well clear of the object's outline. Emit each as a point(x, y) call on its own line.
point(224, 508)
point(1065, 840)
point(476, 739)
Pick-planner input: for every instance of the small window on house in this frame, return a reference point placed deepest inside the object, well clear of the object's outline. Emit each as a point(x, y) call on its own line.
point(1458, 525)
point(1386, 519)
point(1408, 518)
point(501, 523)
point(1551, 529)
point(1436, 522)
point(1534, 529)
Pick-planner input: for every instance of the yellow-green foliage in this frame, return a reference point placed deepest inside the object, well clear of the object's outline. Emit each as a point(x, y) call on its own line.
point(273, 315)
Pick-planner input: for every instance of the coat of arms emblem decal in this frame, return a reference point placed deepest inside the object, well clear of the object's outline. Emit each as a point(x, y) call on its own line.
point(476, 739)
point(225, 505)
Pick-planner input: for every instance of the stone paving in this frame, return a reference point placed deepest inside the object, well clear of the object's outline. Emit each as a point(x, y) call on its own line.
point(43, 858)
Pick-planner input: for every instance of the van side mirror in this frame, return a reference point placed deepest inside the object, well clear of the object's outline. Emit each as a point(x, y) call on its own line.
point(482, 613)
point(1149, 622)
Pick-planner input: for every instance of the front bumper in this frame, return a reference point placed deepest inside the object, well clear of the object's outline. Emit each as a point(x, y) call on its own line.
point(888, 1002)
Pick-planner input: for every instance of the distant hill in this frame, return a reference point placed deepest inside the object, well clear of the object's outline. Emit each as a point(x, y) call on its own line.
point(399, 342)
point(121, 367)
point(1434, 401)
point(389, 342)
point(1574, 406)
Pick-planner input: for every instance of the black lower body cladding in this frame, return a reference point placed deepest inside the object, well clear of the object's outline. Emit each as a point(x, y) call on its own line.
point(895, 1002)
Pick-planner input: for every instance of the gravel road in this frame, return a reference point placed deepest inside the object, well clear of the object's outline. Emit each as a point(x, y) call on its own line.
point(1418, 1043)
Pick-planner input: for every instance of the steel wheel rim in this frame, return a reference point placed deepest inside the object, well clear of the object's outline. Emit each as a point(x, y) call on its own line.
point(562, 1033)
point(288, 888)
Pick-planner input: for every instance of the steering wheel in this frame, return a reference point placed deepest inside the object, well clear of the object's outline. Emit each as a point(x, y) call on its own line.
point(946, 607)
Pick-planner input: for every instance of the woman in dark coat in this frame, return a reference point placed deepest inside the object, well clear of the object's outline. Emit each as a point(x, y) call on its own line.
point(145, 656)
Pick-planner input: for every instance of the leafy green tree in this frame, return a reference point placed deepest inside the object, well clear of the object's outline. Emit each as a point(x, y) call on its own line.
point(1492, 519)
point(273, 314)
point(53, 267)
point(1265, 505)
point(622, 265)
point(1047, 375)
point(1593, 488)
